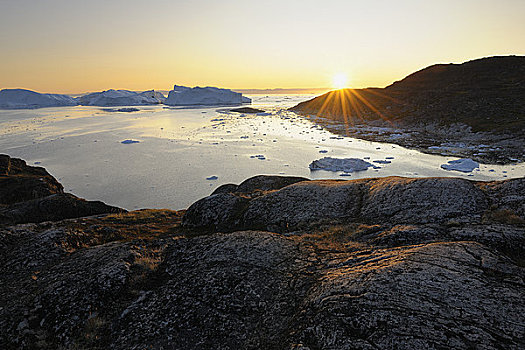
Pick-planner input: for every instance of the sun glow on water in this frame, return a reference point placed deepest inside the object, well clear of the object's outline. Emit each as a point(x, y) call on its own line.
point(339, 81)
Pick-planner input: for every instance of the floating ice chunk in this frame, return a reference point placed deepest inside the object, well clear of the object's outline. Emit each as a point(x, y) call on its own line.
point(465, 165)
point(128, 142)
point(21, 98)
point(186, 96)
point(258, 156)
point(213, 177)
point(348, 165)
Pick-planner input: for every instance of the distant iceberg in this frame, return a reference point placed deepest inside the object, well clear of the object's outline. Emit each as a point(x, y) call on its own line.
point(121, 98)
point(186, 96)
point(21, 98)
point(348, 165)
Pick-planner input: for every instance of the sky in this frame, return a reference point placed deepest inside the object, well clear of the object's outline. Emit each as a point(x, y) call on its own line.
point(78, 46)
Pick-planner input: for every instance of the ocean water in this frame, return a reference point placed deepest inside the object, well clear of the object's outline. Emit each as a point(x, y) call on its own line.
point(183, 154)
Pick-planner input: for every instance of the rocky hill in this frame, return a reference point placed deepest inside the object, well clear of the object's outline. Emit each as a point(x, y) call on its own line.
point(481, 96)
point(277, 263)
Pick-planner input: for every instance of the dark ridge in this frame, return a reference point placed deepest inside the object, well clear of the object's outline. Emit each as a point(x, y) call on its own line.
point(486, 94)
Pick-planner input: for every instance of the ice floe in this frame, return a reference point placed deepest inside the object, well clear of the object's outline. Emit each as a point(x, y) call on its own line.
point(186, 96)
point(258, 156)
point(348, 165)
point(465, 165)
point(21, 99)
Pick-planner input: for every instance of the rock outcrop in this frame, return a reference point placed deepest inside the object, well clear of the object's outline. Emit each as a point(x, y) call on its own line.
point(20, 182)
point(379, 200)
point(365, 264)
point(31, 194)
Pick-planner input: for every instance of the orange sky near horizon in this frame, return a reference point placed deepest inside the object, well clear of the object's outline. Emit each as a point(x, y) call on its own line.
point(78, 46)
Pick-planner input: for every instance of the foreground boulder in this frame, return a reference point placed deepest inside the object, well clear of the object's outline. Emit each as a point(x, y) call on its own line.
point(31, 194)
point(380, 200)
point(354, 268)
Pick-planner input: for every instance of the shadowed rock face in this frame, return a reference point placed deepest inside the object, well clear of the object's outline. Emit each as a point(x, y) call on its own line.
point(31, 194)
point(20, 182)
point(437, 264)
point(54, 207)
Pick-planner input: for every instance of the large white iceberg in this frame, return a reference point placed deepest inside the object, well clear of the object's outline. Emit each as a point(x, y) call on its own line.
point(348, 165)
point(121, 98)
point(21, 98)
point(465, 165)
point(186, 96)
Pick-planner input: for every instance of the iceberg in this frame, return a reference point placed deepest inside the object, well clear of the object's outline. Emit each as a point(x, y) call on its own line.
point(21, 98)
point(121, 98)
point(465, 165)
point(348, 165)
point(186, 96)
point(129, 142)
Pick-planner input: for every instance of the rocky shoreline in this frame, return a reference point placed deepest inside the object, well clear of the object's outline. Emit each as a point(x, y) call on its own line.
point(454, 141)
point(274, 262)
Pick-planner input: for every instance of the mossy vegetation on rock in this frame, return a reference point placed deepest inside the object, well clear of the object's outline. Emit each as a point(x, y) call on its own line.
point(346, 267)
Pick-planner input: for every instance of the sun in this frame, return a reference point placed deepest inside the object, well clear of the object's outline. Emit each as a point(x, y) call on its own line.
point(339, 81)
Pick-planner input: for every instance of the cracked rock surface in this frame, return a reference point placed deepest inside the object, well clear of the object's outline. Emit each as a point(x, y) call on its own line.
point(389, 263)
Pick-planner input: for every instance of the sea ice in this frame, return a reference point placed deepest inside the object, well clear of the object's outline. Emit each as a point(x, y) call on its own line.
point(21, 98)
point(348, 165)
point(186, 96)
point(121, 98)
point(465, 165)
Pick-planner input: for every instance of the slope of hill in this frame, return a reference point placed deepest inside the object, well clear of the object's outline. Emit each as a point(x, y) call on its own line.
point(485, 95)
